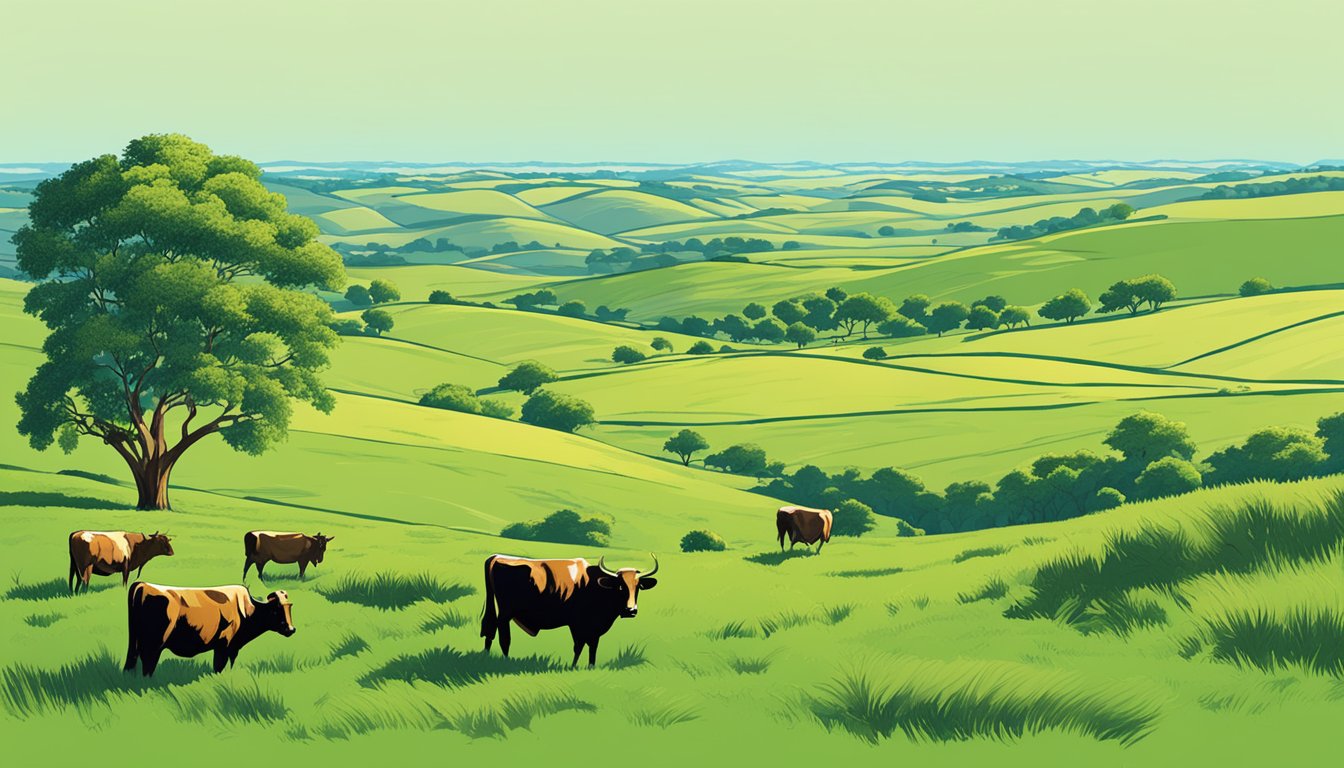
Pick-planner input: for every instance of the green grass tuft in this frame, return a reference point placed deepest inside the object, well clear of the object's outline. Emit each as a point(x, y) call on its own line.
point(732, 630)
point(50, 590)
point(445, 617)
point(993, 589)
point(230, 702)
point(391, 590)
point(350, 644)
point(451, 667)
point(626, 657)
point(664, 715)
point(749, 665)
point(43, 619)
point(866, 573)
point(967, 554)
point(776, 558)
point(27, 690)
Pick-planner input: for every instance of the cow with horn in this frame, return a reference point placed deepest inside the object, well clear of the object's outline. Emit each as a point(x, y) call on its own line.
point(547, 594)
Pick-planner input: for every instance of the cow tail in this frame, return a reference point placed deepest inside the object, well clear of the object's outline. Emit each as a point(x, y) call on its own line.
point(488, 618)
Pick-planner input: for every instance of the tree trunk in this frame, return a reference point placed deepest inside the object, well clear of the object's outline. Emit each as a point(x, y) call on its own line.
point(151, 483)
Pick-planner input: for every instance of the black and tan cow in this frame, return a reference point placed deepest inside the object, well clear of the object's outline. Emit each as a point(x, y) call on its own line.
point(188, 622)
point(110, 552)
point(547, 594)
point(262, 547)
point(803, 525)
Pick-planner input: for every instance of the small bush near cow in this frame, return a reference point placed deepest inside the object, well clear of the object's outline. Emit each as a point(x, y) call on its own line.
point(993, 589)
point(852, 518)
point(702, 541)
point(446, 617)
point(393, 590)
point(960, 700)
point(349, 645)
point(454, 668)
point(700, 348)
point(628, 656)
point(974, 552)
point(664, 715)
point(563, 526)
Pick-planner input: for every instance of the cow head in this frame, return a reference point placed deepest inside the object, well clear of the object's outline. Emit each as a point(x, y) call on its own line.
point(625, 585)
point(319, 546)
point(278, 617)
point(158, 544)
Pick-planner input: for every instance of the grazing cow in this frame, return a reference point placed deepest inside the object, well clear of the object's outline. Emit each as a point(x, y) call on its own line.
point(190, 622)
point(803, 524)
point(546, 594)
point(262, 547)
point(109, 552)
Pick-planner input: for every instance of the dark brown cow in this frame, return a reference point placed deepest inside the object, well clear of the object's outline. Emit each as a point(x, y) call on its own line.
point(803, 525)
point(262, 547)
point(546, 594)
point(109, 552)
point(189, 622)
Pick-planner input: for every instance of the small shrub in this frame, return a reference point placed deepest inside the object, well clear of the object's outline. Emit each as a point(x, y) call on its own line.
point(1255, 286)
point(563, 526)
point(700, 348)
point(555, 411)
point(702, 541)
point(627, 354)
point(875, 353)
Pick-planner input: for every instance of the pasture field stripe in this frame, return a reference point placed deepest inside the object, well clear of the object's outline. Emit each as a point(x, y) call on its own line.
point(1257, 337)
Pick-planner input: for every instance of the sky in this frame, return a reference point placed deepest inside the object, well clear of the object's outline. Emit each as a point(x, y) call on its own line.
point(677, 81)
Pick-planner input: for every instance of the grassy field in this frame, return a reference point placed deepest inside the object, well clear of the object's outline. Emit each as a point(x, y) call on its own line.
point(1208, 623)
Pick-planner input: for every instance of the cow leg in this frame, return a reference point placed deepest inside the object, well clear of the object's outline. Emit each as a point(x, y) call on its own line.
point(125, 574)
point(84, 577)
point(149, 658)
point(819, 543)
point(248, 564)
point(592, 652)
point(303, 566)
point(221, 659)
point(578, 646)
point(130, 652)
point(139, 571)
point(71, 580)
point(504, 636)
point(259, 565)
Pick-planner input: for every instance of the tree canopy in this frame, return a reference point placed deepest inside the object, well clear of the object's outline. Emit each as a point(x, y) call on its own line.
point(170, 279)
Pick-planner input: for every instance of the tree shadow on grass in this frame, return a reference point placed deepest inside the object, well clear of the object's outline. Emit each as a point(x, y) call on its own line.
point(49, 590)
point(27, 690)
point(454, 668)
point(52, 499)
point(775, 558)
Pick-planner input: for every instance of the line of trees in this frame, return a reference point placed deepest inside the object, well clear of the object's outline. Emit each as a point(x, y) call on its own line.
point(543, 408)
point(1087, 217)
point(655, 255)
point(1153, 457)
point(1294, 186)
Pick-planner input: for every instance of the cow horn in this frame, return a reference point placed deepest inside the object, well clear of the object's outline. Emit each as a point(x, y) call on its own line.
point(602, 566)
point(655, 566)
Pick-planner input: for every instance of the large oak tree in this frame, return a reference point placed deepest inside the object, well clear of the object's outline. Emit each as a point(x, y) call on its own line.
point(171, 280)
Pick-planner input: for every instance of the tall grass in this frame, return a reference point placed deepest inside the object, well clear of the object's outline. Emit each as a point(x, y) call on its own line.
point(412, 709)
point(393, 590)
point(27, 690)
point(451, 667)
point(785, 620)
point(957, 701)
point(231, 702)
point(993, 589)
point(350, 644)
point(968, 554)
point(733, 629)
point(51, 589)
point(628, 656)
point(664, 715)
point(446, 617)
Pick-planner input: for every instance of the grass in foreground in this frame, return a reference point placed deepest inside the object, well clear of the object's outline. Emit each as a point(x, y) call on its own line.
point(391, 590)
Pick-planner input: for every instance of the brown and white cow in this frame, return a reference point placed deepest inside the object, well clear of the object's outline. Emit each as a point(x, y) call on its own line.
point(546, 594)
point(803, 525)
point(188, 621)
point(109, 552)
point(262, 547)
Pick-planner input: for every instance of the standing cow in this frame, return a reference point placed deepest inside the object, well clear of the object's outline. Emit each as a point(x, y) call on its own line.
point(803, 525)
point(189, 622)
point(546, 594)
point(109, 552)
point(262, 547)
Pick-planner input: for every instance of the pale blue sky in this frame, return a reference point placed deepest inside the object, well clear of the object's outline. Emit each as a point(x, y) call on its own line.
point(692, 80)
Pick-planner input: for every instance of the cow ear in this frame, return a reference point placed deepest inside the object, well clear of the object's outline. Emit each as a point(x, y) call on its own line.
point(607, 582)
point(647, 583)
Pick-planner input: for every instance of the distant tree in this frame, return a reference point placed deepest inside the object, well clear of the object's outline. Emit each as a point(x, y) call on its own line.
point(836, 294)
point(769, 330)
point(700, 348)
point(1330, 429)
point(982, 318)
point(455, 397)
point(799, 334)
point(1015, 316)
point(441, 297)
point(947, 316)
point(734, 327)
point(495, 408)
point(789, 311)
point(754, 311)
point(696, 326)
point(661, 344)
point(995, 303)
point(382, 291)
point(526, 377)
point(556, 411)
point(820, 313)
point(686, 444)
point(1145, 437)
point(863, 309)
point(1120, 211)
point(1167, 476)
point(1255, 286)
point(1068, 306)
point(741, 459)
point(1122, 294)
point(563, 527)
point(1154, 290)
point(875, 353)
point(527, 301)
point(726, 348)
point(916, 307)
point(702, 541)
point(627, 354)
point(348, 326)
point(791, 245)
point(1274, 453)
point(358, 295)
point(886, 230)
point(377, 320)
point(852, 518)
point(573, 309)
point(900, 327)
